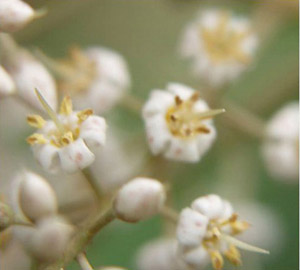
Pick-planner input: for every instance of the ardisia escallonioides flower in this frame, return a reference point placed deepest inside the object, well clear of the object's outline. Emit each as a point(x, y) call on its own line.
point(66, 141)
point(220, 45)
point(178, 123)
point(206, 232)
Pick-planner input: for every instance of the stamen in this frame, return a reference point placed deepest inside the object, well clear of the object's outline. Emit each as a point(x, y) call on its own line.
point(239, 226)
point(216, 259)
point(210, 113)
point(50, 112)
point(66, 106)
point(36, 121)
point(36, 138)
point(233, 255)
point(242, 245)
point(178, 100)
point(67, 138)
point(195, 96)
point(203, 129)
point(83, 115)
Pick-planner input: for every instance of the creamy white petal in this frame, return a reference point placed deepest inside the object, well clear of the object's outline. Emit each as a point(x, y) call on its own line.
point(47, 156)
point(7, 86)
point(75, 156)
point(198, 258)
point(181, 90)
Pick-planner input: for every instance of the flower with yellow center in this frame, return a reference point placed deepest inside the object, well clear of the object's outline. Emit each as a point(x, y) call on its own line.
point(178, 123)
point(65, 141)
point(206, 231)
point(220, 44)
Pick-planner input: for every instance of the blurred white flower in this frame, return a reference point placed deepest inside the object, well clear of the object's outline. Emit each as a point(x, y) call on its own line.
point(14, 15)
point(7, 86)
point(139, 199)
point(160, 254)
point(220, 45)
point(281, 148)
point(98, 78)
point(66, 142)
point(28, 74)
point(178, 123)
point(205, 232)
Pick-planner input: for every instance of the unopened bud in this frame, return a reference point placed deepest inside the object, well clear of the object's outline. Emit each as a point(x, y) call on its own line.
point(50, 239)
point(7, 86)
point(6, 216)
point(111, 268)
point(37, 198)
point(14, 15)
point(139, 199)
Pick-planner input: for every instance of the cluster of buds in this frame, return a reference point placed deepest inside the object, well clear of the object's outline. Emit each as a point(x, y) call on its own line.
point(179, 123)
point(34, 202)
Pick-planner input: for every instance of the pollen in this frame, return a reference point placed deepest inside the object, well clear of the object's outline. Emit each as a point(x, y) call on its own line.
point(184, 121)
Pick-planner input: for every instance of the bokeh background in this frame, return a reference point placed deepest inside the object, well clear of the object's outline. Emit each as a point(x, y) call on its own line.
point(147, 33)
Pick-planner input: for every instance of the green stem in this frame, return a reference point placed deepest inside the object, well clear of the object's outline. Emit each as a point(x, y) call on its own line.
point(169, 214)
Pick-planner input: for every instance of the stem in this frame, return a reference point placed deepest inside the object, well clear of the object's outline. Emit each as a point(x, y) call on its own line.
point(83, 262)
point(92, 181)
point(169, 213)
point(244, 120)
point(132, 103)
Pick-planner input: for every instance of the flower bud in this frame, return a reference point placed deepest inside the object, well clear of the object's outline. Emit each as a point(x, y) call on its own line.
point(7, 86)
point(111, 268)
point(139, 199)
point(50, 239)
point(14, 15)
point(36, 197)
point(6, 216)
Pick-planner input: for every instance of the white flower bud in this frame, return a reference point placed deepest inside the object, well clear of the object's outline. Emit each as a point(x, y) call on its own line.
point(36, 197)
point(14, 15)
point(6, 216)
point(50, 239)
point(111, 268)
point(139, 199)
point(29, 74)
point(7, 86)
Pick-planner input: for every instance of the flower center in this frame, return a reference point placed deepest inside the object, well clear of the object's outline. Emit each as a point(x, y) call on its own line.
point(222, 43)
point(184, 122)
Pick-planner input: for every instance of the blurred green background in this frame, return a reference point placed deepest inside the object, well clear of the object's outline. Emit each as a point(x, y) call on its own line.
point(147, 32)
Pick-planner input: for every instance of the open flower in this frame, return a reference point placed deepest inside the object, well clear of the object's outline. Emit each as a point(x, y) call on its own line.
point(220, 45)
point(205, 232)
point(178, 123)
point(95, 77)
point(66, 141)
point(281, 148)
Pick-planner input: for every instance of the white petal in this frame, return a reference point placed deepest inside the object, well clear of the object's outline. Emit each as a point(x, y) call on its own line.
point(158, 134)
point(191, 228)
point(211, 206)
point(93, 131)
point(75, 156)
point(7, 86)
point(205, 141)
point(183, 150)
point(181, 90)
point(198, 257)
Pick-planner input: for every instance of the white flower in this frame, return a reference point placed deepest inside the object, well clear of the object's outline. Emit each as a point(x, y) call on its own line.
point(139, 199)
point(14, 15)
point(66, 141)
point(7, 86)
point(205, 232)
point(98, 79)
point(29, 74)
point(178, 123)
point(6, 216)
point(159, 254)
point(220, 45)
point(281, 148)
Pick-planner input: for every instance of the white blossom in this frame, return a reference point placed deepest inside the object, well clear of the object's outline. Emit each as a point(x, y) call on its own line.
point(98, 78)
point(205, 233)
point(281, 148)
point(67, 140)
point(178, 123)
point(7, 86)
point(219, 45)
point(29, 74)
point(139, 199)
point(14, 15)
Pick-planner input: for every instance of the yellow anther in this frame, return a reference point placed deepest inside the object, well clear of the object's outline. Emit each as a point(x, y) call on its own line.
point(233, 255)
point(216, 259)
point(66, 106)
point(67, 138)
point(36, 138)
point(83, 115)
point(239, 226)
point(35, 121)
